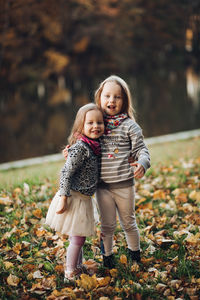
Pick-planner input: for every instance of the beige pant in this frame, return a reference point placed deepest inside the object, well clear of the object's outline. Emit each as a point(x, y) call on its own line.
point(121, 201)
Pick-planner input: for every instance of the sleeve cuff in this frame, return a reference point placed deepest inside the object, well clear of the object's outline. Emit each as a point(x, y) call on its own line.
point(63, 192)
point(144, 163)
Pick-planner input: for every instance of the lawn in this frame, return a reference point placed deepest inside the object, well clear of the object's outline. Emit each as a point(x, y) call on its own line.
point(167, 209)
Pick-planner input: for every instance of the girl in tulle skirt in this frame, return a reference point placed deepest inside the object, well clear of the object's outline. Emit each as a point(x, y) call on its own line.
point(71, 210)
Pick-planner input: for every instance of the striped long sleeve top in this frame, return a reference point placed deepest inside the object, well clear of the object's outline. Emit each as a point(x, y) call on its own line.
point(123, 141)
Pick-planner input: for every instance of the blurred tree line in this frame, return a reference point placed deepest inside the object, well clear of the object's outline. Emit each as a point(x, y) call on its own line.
point(53, 55)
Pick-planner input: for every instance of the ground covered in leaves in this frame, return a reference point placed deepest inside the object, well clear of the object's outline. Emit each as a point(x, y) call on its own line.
point(167, 207)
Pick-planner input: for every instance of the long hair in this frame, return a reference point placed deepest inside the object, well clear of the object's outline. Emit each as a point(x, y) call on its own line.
point(79, 121)
point(126, 95)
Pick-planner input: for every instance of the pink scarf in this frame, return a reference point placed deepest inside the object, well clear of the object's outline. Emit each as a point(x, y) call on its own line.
point(94, 144)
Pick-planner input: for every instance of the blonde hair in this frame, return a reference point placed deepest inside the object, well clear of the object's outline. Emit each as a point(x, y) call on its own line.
point(126, 95)
point(78, 125)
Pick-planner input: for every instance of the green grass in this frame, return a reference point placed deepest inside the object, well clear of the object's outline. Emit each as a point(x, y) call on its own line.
point(32, 175)
point(160, 154)
point(168, 152)
point(167, 270)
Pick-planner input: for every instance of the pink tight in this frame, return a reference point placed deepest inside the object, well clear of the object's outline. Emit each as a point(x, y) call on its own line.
point(74, 254)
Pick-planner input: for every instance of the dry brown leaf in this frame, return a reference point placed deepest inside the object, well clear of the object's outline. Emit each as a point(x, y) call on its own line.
point(29, 267)
point(92, 266)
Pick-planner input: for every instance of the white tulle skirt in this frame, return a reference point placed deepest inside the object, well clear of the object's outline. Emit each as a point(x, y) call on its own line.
point(78, 220)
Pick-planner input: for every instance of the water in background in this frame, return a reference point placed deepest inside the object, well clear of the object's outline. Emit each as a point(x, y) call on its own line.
point(163, 105)
point(53, 55)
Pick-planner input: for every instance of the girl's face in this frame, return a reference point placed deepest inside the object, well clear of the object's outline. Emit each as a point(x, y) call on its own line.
point(111, 98)
point(94, 125)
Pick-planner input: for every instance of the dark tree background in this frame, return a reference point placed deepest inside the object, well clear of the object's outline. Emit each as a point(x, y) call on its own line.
point(53, 55)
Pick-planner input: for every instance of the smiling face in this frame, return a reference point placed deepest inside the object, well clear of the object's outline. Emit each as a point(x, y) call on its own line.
point(94, 125)
point(111, 98)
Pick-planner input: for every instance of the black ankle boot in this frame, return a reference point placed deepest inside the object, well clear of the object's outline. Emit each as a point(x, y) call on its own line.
point(134, 255)
point(109, 261)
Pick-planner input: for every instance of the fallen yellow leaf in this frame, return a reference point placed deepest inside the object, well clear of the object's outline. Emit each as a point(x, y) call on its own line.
point(114, 273)
point(193, 239)
point(37, 213)
point(103, 281)
point(17, 248)
point(87, 283)
point(40, 232)
point(194, 195)
point(13, 280)
point(123, 259)
point(159, 194)
point(8, 265)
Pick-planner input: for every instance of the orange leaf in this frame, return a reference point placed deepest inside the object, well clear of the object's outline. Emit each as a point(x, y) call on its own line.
point(17, 191)
point(59, 269)
point(17, 248)
point(123, 259)
point(114, 272)
point(147, 260)
point(103, 281)
point(159, 194)
point(182, 197)
point(29, 267)
point(37, 213)
point(40, 232)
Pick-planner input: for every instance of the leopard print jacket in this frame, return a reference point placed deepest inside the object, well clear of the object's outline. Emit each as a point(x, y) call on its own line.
point(80, 172)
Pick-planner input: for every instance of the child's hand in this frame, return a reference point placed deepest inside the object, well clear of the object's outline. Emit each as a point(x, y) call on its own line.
point(63, 205)
point(138, 170)
point(65, 151)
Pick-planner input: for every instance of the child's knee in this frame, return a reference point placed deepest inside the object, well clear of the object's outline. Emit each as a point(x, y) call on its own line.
point(108, 229)
point(129, 228)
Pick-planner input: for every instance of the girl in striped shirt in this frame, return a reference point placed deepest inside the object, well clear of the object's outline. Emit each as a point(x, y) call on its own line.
point(115, 193)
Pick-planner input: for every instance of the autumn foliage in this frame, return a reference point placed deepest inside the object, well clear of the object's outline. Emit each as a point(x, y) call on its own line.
point(167, 207)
